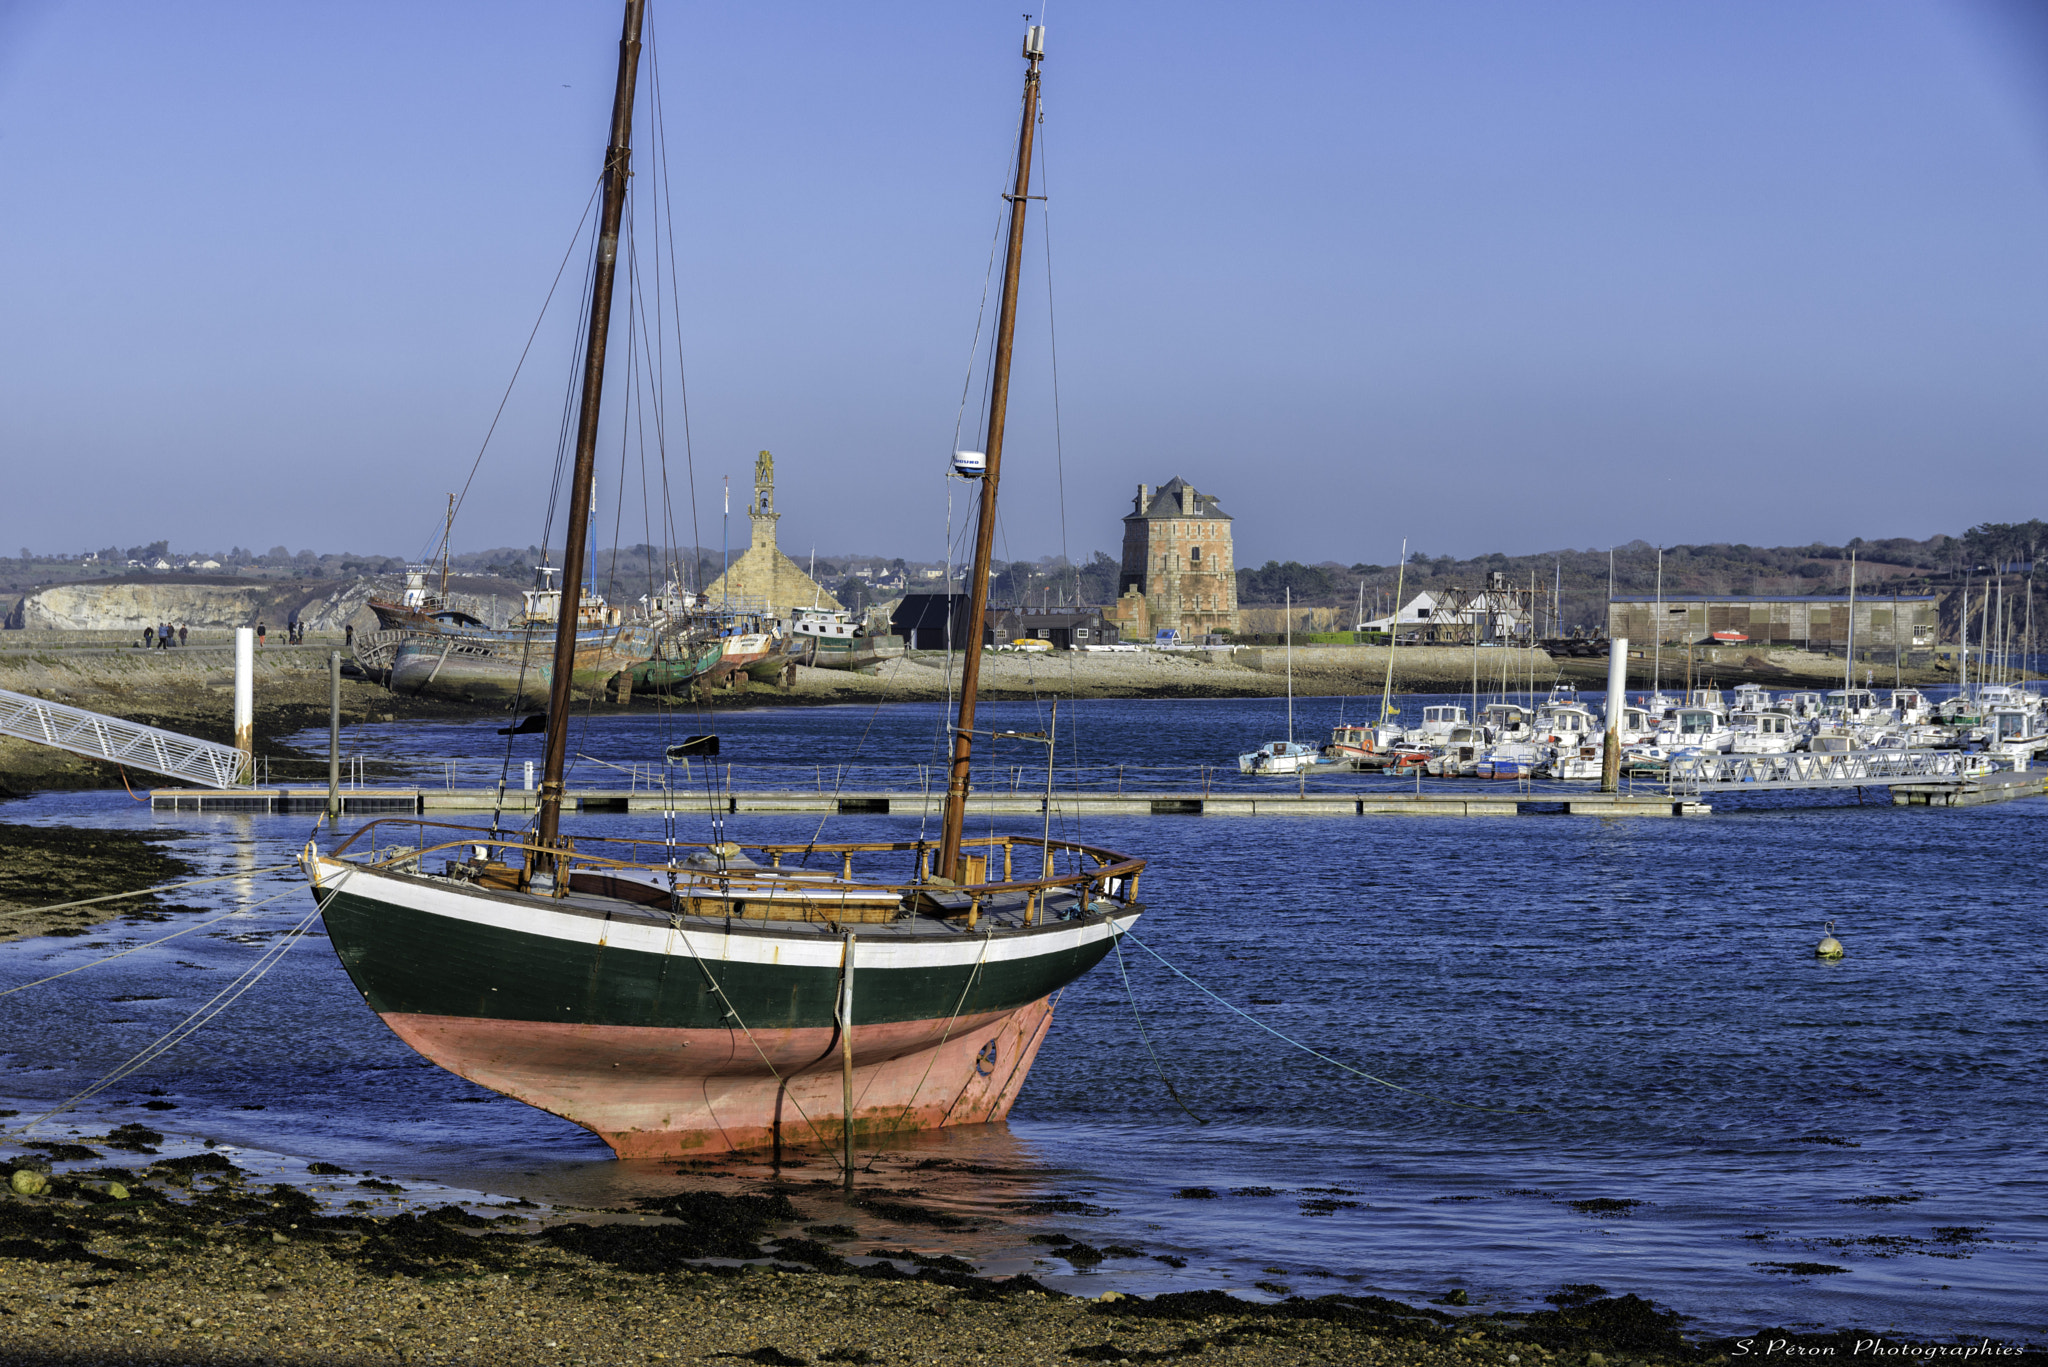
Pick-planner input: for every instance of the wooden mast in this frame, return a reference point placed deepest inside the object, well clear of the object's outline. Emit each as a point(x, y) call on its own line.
point(985, 528)
point(574, 532)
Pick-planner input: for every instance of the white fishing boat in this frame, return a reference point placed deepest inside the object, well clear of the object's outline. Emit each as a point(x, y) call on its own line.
point(1438, 721)
point(1764, 733)
point(1695, 728)
point(1278, 757)
point(1458, 756)
point(1512, 760)
point(1910, 707)
point(1854, 706)
point(1750, 699)
point(1507, 721)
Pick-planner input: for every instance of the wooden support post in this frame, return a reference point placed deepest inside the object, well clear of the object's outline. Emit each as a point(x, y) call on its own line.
point(333, 736)
point(846, 1054)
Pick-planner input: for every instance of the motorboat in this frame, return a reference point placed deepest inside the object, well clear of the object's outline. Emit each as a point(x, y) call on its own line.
point(1278, 757)
point(1695, 728)
point(1764, 733)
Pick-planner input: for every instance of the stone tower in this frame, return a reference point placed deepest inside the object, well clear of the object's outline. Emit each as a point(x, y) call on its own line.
point(764, 579)
point(1179, 571)
point(763, 512)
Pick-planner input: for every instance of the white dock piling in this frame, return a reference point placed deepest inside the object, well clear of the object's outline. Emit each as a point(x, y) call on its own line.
point(245, 699)
point(1617, 700)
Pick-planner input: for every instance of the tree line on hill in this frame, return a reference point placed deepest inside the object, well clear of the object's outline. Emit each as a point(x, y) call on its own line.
point(1580, 580)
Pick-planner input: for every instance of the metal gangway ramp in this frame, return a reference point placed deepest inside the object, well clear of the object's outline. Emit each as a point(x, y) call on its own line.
point(98, 736)
point(1845, 769)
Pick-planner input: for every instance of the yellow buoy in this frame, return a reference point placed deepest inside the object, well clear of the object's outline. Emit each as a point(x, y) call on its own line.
point(1829, 947)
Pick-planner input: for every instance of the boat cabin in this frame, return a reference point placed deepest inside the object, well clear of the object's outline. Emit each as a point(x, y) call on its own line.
point(1856, 704)
point(1695, 723)
point(826, 623)
point(2012, 723)
point(1751, 697)
point(1566, 723)
point(1801, 704)
point(1709, 698)
point(1504, 718)
point(1438, 719)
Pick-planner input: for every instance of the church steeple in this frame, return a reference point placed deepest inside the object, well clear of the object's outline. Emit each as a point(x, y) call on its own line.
point(763, 512)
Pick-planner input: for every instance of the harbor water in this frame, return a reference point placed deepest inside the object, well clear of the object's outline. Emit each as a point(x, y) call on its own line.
point(1492, 1054)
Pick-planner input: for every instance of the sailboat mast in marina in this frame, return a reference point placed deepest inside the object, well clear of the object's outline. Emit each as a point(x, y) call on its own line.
point(679, 998)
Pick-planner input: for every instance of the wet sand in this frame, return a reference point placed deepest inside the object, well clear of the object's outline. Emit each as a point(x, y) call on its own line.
point(192, 1260)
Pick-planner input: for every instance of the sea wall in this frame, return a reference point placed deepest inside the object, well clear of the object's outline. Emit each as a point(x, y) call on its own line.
point(323, 605)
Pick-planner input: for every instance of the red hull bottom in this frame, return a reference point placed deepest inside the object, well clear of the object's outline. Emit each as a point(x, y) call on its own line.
point(662, 1093)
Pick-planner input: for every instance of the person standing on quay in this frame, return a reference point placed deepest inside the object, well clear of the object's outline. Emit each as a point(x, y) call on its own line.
point(348, 632)
point(261, 632)
point(148, 637)
point(184, 629)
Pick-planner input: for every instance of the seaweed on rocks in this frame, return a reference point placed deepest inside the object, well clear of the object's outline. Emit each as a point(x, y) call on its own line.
point(1375, 1313)
point(133, 1138)
point(1624, 1323)
point(938, 1262)
point(812, 1254)
point(62, 1153)
point(708, 1224)
point(909, 1213)
point(194, 1163)
point(1573, 1294)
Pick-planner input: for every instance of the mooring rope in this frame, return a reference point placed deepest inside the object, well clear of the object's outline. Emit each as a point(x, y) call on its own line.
point(185, 1028)
point(95, 963)
point(1334, 1063)
point(1146, 1039)
point(144, 892)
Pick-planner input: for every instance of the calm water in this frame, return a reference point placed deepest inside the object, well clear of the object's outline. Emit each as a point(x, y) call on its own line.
point(1582, 1009)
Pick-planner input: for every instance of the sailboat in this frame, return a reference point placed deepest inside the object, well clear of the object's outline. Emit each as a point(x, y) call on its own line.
point(1282, 756)
point(679, 998)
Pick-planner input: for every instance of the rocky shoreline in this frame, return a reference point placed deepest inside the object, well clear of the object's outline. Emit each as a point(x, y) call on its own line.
point(192, 1259)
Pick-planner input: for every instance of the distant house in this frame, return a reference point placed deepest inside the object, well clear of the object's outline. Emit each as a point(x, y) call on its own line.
point(938, 621)
point(1064, 628)
point(1496, 614)
point(930, 621)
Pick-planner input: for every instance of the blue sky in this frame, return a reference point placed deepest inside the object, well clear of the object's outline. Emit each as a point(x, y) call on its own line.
point(1487, 276)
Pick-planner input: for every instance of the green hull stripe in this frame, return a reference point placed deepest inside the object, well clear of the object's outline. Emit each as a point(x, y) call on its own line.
point(418, 963)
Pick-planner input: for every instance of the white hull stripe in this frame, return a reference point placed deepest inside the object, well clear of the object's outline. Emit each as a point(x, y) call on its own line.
point(807, 949)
